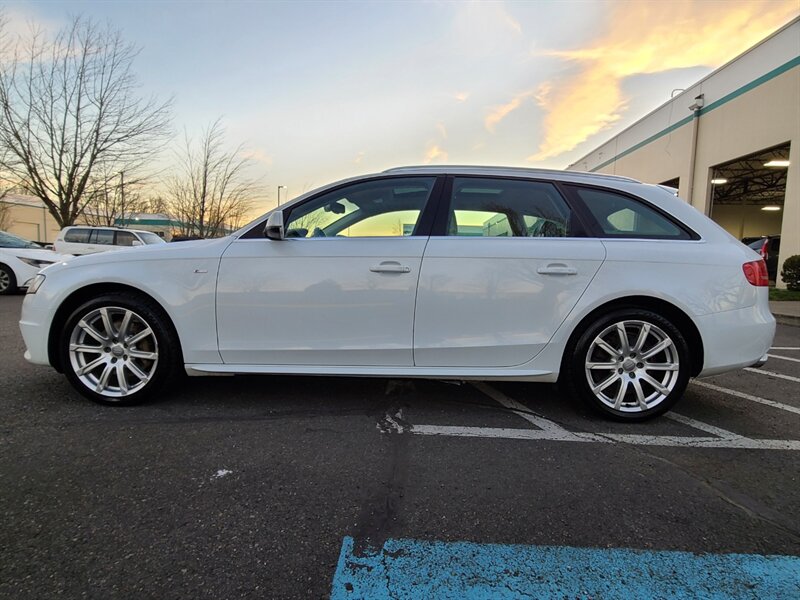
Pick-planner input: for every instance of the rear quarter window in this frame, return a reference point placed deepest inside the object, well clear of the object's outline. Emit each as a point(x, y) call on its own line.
point(619, 216)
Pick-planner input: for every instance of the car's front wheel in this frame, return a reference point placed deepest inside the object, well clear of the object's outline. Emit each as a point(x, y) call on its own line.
point(119, 349)
point(8, 282)
point(630, 365)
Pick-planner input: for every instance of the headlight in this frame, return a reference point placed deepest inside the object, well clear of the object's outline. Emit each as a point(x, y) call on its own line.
point(34, 284)
point(38, 264)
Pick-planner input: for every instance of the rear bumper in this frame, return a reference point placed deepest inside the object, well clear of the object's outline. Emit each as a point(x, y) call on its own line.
point(735, 339)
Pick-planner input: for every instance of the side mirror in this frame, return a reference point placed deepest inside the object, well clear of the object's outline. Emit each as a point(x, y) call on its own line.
point(136, 243)
point(273, 230)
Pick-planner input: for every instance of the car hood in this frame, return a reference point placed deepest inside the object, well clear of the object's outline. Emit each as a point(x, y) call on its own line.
point(37, 254)
point(171, 251)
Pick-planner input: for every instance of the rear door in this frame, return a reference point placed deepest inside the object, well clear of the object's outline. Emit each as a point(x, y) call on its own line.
point(509, 264)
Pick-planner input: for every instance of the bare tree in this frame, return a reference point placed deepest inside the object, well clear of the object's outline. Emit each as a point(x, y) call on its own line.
point(114, 197)
point(211, 192)
point(5, 211)
point(70, 112)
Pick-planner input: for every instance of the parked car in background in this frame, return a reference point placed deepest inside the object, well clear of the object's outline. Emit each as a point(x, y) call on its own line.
point(20, 260)
point(81, 239)
point(617, 289)
point(769, 248)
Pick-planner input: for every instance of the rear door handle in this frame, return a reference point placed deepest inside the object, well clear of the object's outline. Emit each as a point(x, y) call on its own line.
point(557, 269)
point(390, 267)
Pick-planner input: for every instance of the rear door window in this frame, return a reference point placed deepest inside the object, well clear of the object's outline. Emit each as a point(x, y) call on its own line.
point(488, 207)
point(102, 237)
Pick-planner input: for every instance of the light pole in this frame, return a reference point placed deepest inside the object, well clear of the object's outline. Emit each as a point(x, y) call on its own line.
point(280, 187)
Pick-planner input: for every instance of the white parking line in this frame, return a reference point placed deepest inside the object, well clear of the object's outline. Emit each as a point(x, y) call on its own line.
point(784, 357)
point(509, 433)
point(723, 433)
point(738, 394)
point(520, 409)
point(785, 348)
point(773, 374)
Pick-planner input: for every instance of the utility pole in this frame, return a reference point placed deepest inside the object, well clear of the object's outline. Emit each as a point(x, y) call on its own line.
point(122, 195)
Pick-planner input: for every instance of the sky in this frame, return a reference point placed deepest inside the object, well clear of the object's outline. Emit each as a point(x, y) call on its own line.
point(320, 91)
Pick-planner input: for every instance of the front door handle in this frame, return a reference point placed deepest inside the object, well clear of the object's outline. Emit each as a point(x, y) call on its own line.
point(390, 267)
point(557, 269)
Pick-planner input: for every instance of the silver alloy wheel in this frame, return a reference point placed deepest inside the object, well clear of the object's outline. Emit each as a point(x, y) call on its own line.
point(5, 280)
point(632, 366)
point(113, 351)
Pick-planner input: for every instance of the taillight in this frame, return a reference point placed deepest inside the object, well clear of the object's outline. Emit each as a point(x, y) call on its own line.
point(764, 252)
point(756, 273)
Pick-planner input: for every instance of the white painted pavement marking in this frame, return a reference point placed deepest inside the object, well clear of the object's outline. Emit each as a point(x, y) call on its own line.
point(785, 348)
point(773, 374)
point(509, 433)
point(738, 442)
point(723, 433)
point(519, 408)
point(551, 431)
point(784, 357)
point(738, 394)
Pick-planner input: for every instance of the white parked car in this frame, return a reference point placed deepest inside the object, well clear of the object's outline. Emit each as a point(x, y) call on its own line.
point(20, 260)
point(615, 288)
point(82, 239)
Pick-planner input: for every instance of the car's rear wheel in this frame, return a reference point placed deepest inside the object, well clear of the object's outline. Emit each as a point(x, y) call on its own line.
point(119, 349)
point(8, 282)
point(630, 365)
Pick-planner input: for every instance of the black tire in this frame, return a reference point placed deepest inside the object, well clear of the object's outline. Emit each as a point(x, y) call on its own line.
point(162, 341)
point(628, 381)
point(8, 281)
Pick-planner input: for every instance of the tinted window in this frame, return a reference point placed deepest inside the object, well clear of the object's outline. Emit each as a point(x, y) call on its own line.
point(382, 208)
point(150, 238)
point(77, 236)
point(103, 237)
point(8, 240)
point(125, 238)
point(484, 207)
point(622, 216)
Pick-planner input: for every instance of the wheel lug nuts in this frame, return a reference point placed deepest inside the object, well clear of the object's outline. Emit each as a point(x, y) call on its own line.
point(631, 375)
point(640, 365)
point(619, 371)
point(106, 349)
point(113, 360)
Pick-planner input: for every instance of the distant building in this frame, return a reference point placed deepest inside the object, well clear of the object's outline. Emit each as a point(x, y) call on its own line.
point(29, 218)
point(730, 143)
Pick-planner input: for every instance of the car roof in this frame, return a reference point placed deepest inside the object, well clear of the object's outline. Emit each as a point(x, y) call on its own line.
point(508, 171)
point(107, 227)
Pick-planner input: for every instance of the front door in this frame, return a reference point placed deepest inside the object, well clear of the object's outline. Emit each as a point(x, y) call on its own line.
point(338, 290)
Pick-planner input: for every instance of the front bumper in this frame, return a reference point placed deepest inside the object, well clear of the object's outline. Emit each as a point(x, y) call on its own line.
point(35, 327)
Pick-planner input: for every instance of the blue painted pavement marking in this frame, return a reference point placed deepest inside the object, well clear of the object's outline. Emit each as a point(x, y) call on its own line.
point(417, 569)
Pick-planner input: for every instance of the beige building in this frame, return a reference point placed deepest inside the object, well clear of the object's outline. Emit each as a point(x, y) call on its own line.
point(28, 218)
point(730, 143)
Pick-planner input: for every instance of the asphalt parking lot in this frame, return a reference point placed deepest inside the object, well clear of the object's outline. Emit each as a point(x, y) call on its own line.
point(252, 486)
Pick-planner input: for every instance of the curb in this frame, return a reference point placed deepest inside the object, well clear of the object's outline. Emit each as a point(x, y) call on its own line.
point(788, 319)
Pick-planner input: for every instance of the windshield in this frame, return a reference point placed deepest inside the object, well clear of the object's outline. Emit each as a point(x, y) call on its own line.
point(150, 238)
point(11, 241)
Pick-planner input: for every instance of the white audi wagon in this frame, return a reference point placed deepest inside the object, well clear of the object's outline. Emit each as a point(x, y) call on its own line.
point(617, 289)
